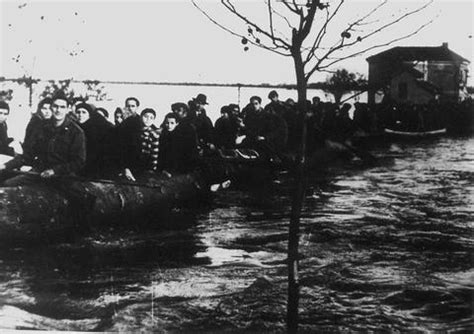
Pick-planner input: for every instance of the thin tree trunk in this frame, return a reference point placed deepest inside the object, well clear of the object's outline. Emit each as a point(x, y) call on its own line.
point(297, 203)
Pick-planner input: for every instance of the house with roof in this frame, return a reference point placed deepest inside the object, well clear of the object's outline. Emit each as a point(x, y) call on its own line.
point(417, 74)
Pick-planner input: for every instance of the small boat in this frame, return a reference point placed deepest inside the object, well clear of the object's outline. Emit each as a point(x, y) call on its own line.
point(414, 134)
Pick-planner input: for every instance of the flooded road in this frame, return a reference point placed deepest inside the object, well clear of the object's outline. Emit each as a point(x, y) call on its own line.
point(383, 248)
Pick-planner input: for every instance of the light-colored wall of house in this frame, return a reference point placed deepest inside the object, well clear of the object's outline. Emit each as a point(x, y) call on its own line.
point(415, 95)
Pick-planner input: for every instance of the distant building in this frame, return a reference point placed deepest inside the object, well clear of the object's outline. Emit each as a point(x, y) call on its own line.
point(417, 74)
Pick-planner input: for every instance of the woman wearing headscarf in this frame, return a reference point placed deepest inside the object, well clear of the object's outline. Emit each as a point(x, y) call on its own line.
point(95, 128)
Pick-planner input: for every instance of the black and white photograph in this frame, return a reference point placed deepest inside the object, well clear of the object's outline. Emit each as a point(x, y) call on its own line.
point(241, 166)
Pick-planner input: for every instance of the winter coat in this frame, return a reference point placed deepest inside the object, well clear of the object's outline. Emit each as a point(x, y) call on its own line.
point(62, 149)
point(225, 132)
point(5, 140)
point(96, 129)
point(178, 149)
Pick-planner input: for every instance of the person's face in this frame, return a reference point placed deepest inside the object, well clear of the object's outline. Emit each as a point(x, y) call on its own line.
point(199, 108)
point(45, 111)
point(235, 111)
point(181, 112)
point(225, 115)
point(148, 119)
point(118, 118)
point(255, 105)
point(170, 124)
point(3, 115)
point(59, 109)
point(131, 105)
point(274, 99)
point(82, 115)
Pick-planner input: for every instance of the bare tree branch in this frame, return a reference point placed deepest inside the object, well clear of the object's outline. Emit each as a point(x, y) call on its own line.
point(293, 9)
point(341, 45)
point(260, 45)
point(400, 18)
point(369, 14)
point(322, 31)
point(277, 41)
point(270, 17)
point(375, 46)
point(277, 13)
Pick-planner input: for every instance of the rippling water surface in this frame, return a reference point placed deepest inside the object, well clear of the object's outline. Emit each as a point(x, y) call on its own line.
point(383, 248)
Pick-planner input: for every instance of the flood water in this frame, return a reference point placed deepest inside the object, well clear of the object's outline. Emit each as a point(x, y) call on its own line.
point(383, 248)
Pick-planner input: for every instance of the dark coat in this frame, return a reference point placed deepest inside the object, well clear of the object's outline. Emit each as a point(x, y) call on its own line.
point(277, 108)
point(96, 128)
point(34, 125)
point(126, 135)
point(169, 155)
point(116, 143)
point(178, 149)
point(225, 132)
point(268, 125)
point(62, 149)
point(204, 128)
point(5, 140)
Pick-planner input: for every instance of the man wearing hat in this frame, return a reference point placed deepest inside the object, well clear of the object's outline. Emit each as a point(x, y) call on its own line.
point(203, 124)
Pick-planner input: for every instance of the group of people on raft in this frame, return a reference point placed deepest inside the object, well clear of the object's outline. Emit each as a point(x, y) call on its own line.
point(410, 117)
point(68, 137)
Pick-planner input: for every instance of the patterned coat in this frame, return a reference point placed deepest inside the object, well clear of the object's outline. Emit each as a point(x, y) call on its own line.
point(149, 142)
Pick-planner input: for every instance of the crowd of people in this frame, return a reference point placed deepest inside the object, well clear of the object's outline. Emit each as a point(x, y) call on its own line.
point(67, 137)
point(455, 116)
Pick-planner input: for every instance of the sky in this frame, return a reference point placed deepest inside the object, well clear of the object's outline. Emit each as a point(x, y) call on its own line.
point(171, 41)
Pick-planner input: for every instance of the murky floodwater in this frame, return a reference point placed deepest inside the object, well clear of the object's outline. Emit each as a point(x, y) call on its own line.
point(383, 248)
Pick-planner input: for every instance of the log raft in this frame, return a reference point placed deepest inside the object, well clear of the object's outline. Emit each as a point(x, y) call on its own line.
point(57, 207)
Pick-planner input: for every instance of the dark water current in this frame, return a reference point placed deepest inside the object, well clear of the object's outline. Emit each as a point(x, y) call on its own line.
point(386, 248)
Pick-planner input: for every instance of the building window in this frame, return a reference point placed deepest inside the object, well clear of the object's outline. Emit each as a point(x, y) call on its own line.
point(402, 90)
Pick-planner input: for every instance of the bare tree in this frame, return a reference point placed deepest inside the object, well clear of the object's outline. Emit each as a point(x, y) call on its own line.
point(306, 32)
point(343, 82)
point(6, 95)
point(54, 87)
point(96, 90)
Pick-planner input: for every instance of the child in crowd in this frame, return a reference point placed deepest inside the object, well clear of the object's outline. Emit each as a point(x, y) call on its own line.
point(168, 144)
point(141, 153)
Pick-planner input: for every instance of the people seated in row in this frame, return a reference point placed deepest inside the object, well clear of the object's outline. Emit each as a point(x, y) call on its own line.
point(135, 145)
